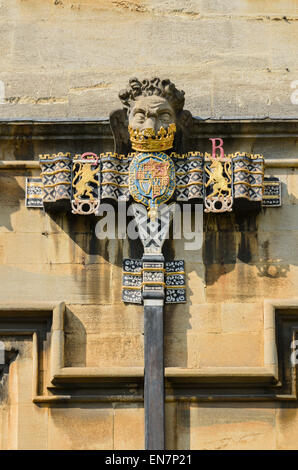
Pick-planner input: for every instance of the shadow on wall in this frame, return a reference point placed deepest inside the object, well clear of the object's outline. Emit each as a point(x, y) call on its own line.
point(10, 355)
point(12, 195)
point(81, 230)
point(75, 334)
point(229, 239)
point(233, 237)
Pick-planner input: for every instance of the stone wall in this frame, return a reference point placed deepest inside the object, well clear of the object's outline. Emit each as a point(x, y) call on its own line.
point(220, 333)
point(69, 58)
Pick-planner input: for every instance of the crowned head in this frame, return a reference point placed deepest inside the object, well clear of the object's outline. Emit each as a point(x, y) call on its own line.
point(153, 107)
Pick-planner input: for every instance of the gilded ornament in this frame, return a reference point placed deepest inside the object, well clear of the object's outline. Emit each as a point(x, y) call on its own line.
point(149, 141)
point(87, 176)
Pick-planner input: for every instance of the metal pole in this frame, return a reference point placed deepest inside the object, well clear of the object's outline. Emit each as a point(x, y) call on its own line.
point(154, 402)
point(154, 376)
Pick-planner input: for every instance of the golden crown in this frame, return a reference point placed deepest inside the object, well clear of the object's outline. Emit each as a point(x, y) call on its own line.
point(147, 140)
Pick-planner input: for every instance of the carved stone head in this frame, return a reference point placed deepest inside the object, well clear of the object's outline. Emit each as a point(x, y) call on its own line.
point(150, 104)
point(151, 112)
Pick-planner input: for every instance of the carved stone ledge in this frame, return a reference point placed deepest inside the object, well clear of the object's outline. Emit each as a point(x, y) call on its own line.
point(276, 380)
point(77, 136)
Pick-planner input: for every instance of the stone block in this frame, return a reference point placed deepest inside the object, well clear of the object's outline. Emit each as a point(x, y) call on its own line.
point(80, 427)
point(129, 427)
point(104, 318)
point(53, 86)
point(31, 418)
point(226, 426)
point(286, 427)
point(235, 283)
point(248, 98)
point(195, 283)
point(175, 350)
point(284, 37)
point(242, 317)
point(6, 37)
point(205, 318)
point(114, 350)
point(283, 218)
point(244, 349)
point(292, 187)
point(278, 247)
point(23, 248)
point(59, 282)
point(171, 426)
point(258, 9)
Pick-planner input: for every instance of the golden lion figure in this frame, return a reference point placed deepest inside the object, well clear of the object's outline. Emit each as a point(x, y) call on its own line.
point(221, 183)
point(87, 176)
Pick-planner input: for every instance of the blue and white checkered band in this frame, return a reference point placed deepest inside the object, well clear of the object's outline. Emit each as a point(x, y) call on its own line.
point(152, 179)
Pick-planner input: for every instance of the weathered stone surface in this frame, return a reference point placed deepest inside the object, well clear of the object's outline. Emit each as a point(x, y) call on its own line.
point(280, 219)
point(233, 59)
point(228, 75)
point(20, 417)
point(230, 349)
point(195, 337)
point(113, 350)
point(223, 427)
point(286, 421)
point(129, 428)
point(237, 282)
point(81, 427)
point(72, 283)
point(171, 426)
point(100, 336)
point(292, 187)
point(237, 317)
point(196, 287)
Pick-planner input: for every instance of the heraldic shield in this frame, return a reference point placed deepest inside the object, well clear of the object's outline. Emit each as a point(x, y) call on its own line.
point(152, 179)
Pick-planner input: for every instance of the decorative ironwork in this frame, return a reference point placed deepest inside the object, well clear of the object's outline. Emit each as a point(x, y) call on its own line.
point(175, 282)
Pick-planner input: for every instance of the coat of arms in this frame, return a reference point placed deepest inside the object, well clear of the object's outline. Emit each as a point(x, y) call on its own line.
point(152, 179)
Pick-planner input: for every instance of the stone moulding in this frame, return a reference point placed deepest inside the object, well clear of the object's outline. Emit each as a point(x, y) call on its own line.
point(33, 164)
point(269, 382)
